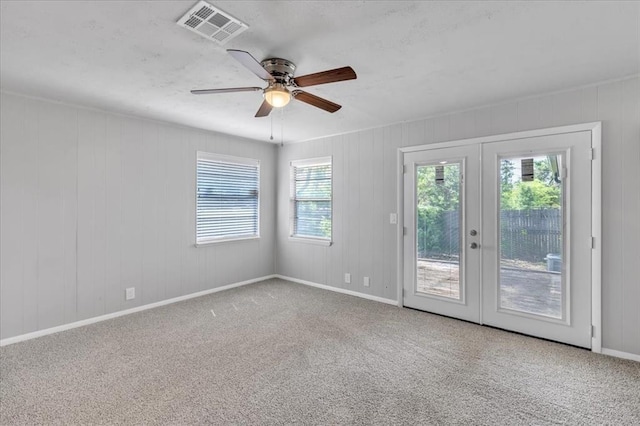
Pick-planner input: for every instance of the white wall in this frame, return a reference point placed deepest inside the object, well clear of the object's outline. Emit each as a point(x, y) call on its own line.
point(365, 193)
point(92, 203)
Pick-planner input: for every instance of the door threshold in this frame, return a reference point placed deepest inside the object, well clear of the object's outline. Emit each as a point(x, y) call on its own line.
point(498, 328)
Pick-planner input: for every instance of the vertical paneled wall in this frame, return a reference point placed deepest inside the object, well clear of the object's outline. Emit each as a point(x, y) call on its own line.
point(93, 203)
point(365, 194)
point(364, 182)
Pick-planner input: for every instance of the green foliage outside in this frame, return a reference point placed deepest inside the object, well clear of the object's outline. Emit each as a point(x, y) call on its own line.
point(542, 192)
point(325, 227)
point(438, 203)
point(435, 204)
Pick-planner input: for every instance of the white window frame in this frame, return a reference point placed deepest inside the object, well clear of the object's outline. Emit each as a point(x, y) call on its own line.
point(292, 200)
point(202, 155)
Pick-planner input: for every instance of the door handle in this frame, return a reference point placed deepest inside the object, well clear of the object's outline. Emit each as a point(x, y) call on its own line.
point(474, 245)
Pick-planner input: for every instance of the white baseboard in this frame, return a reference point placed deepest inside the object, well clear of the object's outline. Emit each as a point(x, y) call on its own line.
point(620, 354)
point(57, 329)
point(340, 290)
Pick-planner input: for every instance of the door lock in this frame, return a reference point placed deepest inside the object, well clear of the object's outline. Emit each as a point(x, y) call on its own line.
point(474, 245)
point(473, 232)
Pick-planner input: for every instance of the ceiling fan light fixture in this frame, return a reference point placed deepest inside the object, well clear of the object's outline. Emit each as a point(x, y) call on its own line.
point(277, 95)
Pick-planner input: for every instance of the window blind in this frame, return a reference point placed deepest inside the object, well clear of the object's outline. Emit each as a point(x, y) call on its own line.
point(227, 198)
point(311, 199)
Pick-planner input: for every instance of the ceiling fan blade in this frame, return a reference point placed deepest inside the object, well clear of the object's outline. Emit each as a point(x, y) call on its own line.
point(264, 109)
point(227, 90)
point(331, 76)
point(316, 101)
point(251, 63)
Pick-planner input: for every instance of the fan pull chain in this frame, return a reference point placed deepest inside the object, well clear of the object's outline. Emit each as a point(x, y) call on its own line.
point(271, 137)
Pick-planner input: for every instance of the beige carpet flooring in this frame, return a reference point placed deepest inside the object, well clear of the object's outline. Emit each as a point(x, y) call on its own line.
point(282, 353)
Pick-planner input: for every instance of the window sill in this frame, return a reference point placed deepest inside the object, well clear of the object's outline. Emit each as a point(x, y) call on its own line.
point(226, 240)
point(316, 241)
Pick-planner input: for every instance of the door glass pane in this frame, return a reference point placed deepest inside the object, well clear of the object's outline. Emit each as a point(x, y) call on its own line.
point(531, 235)
point(438, 229)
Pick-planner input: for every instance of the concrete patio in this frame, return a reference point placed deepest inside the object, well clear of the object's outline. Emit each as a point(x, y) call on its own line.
point(524, 287)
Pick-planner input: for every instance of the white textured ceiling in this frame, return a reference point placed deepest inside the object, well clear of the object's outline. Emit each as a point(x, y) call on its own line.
point(413, 59)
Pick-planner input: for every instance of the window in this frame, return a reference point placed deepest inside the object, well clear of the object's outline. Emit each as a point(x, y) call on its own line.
point(311, 199)
point(227, 200)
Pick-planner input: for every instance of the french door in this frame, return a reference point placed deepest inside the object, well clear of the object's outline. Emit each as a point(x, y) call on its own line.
point(499, 233)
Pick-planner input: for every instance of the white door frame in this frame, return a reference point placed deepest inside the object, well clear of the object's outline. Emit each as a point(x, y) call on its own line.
point(596, 208)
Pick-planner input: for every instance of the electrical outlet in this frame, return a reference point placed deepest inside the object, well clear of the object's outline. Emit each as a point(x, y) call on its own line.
point(366, 281)
point(347, 278)
point(130, 293)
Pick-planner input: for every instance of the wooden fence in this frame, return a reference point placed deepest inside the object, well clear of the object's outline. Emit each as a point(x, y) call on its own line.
point(527, 235)
point(530, 234)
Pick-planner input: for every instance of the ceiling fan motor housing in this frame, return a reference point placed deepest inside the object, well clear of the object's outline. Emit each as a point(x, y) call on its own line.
point(281, 69)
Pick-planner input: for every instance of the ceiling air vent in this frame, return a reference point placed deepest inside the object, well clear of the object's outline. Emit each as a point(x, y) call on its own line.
point(212, 23)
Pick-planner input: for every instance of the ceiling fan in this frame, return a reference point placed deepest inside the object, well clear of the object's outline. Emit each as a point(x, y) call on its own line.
point(278, 73)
